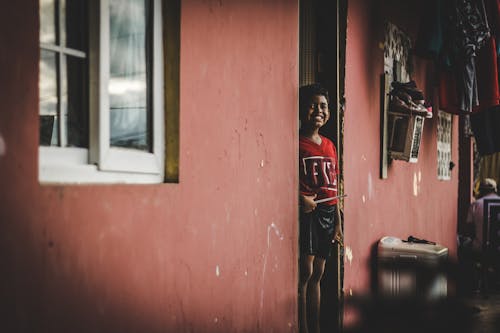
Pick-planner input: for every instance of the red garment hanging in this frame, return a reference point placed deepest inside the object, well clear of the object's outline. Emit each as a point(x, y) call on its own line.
point(487, 75)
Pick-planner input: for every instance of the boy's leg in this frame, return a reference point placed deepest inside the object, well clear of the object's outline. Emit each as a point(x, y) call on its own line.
point(314, 294)
point(306, 270)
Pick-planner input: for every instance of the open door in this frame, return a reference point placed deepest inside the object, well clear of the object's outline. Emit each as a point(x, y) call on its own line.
point(322, 60)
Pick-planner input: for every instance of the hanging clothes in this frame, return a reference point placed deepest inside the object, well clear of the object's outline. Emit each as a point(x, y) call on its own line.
point(463, 38)
point(451, 33)
point(485, 122)
point(486, 128)
point(490, 166)
point(470, 32)
point(487, 76)
point(429, 42)
point(493, 11)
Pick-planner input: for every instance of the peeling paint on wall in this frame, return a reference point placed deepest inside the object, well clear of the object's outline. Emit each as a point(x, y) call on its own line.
point(417, 179)
point(415, 185)
point(370, 186)
point(276, 231)
point(348, 254)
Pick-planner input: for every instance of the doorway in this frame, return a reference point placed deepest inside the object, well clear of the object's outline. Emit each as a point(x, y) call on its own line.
point(322, 59)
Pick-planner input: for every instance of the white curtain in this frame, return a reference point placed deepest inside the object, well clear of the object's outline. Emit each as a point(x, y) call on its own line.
point(128, 83)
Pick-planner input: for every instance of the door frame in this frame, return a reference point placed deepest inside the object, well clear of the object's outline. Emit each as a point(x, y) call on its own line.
point(327, 66)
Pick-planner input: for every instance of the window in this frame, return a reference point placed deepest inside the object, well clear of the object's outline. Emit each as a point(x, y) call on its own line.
point(101, 91)
point(444, 145)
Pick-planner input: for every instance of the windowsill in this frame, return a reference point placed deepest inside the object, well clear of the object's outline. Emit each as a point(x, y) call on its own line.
point(89, 174)
point(71, 168)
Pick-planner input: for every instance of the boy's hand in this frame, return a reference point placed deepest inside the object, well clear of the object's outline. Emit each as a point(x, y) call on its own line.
point(338, 237)
point(308, 204)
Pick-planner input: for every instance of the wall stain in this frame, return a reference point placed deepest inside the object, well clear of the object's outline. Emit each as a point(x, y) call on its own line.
point(279, 234)
point(239, 144)
point(261, 143)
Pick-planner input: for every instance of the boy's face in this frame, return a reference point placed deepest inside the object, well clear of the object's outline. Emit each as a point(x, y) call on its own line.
point(317, 113)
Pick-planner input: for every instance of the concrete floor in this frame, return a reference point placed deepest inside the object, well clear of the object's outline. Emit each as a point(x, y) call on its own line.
point(462, 311)
point(455, 309)
point(465, 314)
point(485, 309)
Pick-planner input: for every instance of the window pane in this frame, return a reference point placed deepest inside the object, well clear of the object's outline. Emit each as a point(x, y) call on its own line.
point(48, 98)
point(47, 21)
point(444, 145)
point(128, 84)
point(74, 17)
point(76, 97)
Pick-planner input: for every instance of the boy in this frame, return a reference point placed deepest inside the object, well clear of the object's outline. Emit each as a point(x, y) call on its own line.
point(319, 216)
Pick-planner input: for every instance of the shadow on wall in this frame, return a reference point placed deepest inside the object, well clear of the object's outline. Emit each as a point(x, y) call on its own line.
point(35, 298)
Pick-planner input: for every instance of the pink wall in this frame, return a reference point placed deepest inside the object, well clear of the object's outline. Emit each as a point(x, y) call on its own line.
point(216, 252)
point(412, 201)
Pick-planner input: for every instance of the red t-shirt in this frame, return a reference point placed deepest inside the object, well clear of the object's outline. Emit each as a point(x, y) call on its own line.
point(318, 169)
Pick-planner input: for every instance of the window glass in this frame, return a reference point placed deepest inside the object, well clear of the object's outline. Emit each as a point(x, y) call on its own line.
point(129, 80)
point(444, 145)
point(48, 98)
point(73, 14)
point(63, 74)
point(47, 21)
point(76, 106)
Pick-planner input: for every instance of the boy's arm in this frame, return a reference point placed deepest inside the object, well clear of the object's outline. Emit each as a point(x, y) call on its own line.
point(338, 235)
point(306, 197)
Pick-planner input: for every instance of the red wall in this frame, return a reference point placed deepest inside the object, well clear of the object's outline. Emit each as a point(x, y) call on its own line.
point(411, 201)
point(216, 252)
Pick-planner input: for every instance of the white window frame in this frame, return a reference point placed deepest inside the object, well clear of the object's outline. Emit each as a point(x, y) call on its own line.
point(444, 149)
point(102, 163)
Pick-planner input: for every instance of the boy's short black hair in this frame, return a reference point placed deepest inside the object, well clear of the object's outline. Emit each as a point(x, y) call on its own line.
point(307, 92)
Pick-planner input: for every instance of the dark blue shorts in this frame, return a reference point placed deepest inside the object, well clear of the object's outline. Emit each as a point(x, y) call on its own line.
point(316, 231)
